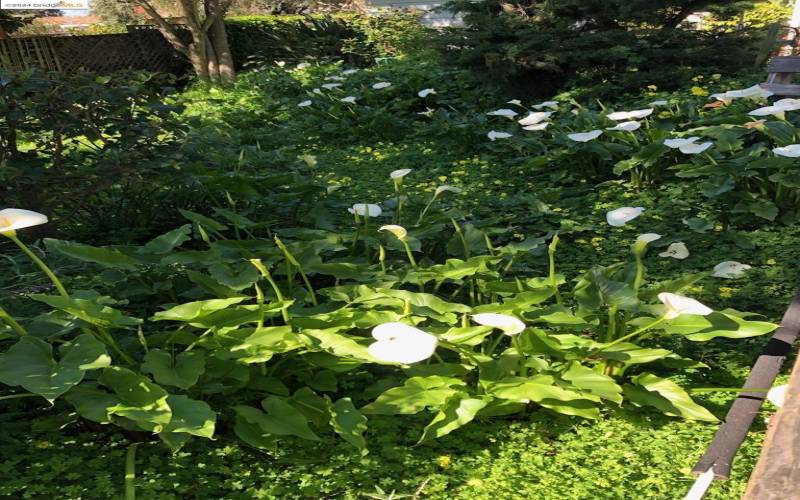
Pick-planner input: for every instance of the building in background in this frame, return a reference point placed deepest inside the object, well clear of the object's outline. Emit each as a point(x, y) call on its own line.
point(431, 15)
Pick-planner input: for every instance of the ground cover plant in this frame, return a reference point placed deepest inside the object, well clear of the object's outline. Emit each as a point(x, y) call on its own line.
point(396, 247)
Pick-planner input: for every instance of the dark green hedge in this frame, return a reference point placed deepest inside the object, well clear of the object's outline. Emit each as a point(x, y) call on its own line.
point(355, 38)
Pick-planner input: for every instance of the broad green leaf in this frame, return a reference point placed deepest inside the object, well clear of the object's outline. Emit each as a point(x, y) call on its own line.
point(336, 343)
point(280, 419)
point(632, 354)
point(104, 256)
point(416, 394)
point(237, 276)
point(190, 416)
point(182, 371)
point(595, 290)
point(92, 403)
point(470, 335)
point(589, 380)
point(542, 390)
point(667, 396)
point(192, 311)
point(89, 311)
point(138, 399)
point(168, 242)
point(717, 324)
point(247, 428)
point(202, 220)
point(313, 406)
point(457, 411)
point(348, 422)
point(29, 363)
point(211, 285)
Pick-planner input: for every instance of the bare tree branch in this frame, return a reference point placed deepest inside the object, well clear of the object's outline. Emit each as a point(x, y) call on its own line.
point(166, 29)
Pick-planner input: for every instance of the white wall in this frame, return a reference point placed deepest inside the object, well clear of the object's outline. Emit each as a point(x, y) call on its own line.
point(442, 18)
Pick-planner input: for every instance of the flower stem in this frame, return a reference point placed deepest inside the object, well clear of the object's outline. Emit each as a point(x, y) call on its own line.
point(425, 210)
point(463, 240)
point(290, 258)
point(267, 276)
point(10, 321)
point(411, 259)
point(130, 472)
point(551, 253)
point(39, 262)
point(637, 332)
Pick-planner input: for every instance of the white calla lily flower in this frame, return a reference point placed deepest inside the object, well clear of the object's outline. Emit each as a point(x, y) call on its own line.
point(790, 151)
point(627, 126)
point(515, 102)
point(304, 104)
point(585, 136)
point(317, 91)
point(381, 85)
point(777, 395)
point(754, 92)
point(676, 250)
point(330, 86)
point(349, 71)
point(788, 104)
point(660, 102)
point(776, 111)
point(630, 115)
point(535, 117)
point(537, 126)
point(366, 208)
point(444, 188)
point(621, 216)
point(401, 343)
point(546, 104)
point(508, 113)
point(680, 142)
point(425, 92)
point(349, 99)
point(12, 219)
point(678, 305)
point(509, 325)
point(648, 238)
point(399, 231)
point(335, 78)
point(730, 269)
point(399, 174)
point(494, 135)
point(303, 65)
point(693, 149)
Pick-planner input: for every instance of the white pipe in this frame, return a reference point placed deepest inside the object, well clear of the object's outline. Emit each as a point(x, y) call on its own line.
point(701, 485)
point(794, 22)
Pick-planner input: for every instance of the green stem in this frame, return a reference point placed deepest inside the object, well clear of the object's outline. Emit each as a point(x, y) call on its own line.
point(130, 472)
point(18, 396)
point(39, 262)
point(639, 278)
point(494, 345)
point(411, 259)
point(725, 389)
point(637, 332)
point(366, 234)
point(275, 288)
point(10, 321)
point(461, 238)
point(425, 210)
point(551, 253)
point(612, 323)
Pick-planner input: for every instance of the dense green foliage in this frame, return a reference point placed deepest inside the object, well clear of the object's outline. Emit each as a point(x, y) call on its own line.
point(243, 309)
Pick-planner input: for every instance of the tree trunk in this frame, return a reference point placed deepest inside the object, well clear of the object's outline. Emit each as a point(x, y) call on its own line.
point(219, 39)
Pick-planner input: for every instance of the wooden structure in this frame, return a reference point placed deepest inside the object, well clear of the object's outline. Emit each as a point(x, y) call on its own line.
point(141, 49)
point(777, 474)
point(781, 74)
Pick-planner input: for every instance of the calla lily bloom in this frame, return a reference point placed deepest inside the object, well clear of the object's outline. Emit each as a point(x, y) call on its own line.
point(777, 395)
point(508, 113)
point(776, 111)
point(401, 343)
point(425, 92)
point(303, 65)
point(756, 91)
point(349, 71)
point(659, 102)
point(399, 231)
point(629, 115)
point(534, 118)
point(365, 208)
point(515, 102)
point(509, 325)
point(329, 86)
point(494, 135)
point(12, 219)
point(304, 104)
point(678, 305)
point(693, 149)
point(441, 189)
point(676, 250)
point(335, 78)
point(546, 104)
point(677, 143)
point(317, 91)
point(585, 136)
point(381, 85)
point(790, 151)
point(621, 216)
point(730, 269)
point(788, 104)
point(399, 174)
point(349, 99)
point(537, 126)
point(648, 237)
point(757, 124)
point(627, 126)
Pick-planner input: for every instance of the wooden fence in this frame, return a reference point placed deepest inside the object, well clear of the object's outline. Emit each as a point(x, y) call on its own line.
point(142, 49)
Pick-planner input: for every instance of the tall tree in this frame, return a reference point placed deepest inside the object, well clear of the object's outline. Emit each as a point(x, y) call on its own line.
point(208, 50)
